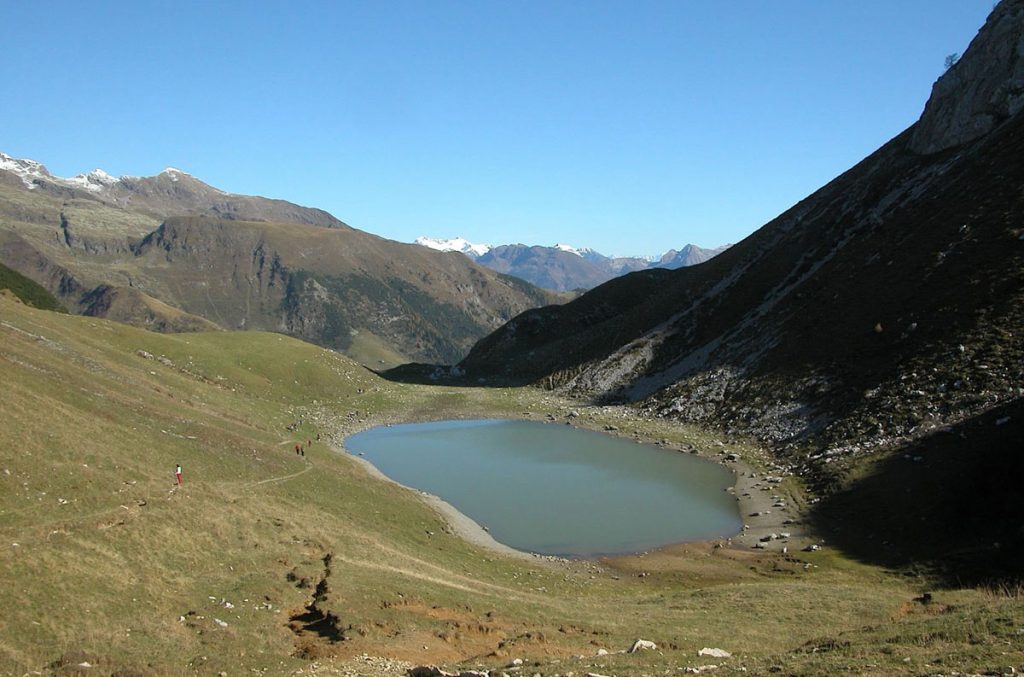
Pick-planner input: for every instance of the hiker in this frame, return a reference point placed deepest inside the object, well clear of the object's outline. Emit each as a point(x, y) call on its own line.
point(177, 473)
point(303, 453)
point(298, 449)
point(309, 443)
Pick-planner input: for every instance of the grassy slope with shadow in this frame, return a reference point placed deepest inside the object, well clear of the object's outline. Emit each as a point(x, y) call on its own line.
point(28, 291)
point(950, 505)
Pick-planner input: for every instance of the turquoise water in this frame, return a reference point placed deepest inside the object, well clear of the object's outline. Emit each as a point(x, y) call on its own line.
point(557, 490)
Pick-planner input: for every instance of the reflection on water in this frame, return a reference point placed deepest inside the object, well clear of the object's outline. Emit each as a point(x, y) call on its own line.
point(558, 490)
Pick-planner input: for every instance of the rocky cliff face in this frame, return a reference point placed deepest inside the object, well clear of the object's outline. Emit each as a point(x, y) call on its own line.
point(982, 90)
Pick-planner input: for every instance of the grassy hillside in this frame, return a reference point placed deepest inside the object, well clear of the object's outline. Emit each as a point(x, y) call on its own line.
point(27, 291)
point(266, 561)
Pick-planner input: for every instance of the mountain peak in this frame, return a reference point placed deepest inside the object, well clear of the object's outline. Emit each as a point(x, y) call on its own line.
point(569, 248)
point(94, 181)
point(173, 173)
point(455, 244)
point(27, 170)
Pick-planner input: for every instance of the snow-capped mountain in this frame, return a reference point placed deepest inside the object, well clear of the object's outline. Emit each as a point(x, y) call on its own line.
point(455, 244)
point(570, 249)
point(27, 170)
point(172, 192)
point(33, 173)
point(562, 267)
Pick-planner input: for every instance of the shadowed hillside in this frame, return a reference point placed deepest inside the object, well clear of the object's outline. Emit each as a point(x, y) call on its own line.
point(949, 504)
point(27, 291)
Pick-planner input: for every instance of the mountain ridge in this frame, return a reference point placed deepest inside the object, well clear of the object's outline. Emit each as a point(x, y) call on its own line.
point(172, 253)
point(564, 268)
point(172, 192)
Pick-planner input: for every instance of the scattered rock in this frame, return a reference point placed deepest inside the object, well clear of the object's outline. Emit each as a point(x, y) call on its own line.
point(714, 653)
point(813, 547)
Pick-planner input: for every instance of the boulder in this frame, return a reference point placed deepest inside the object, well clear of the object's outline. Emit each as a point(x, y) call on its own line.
point(428, 671)
point(714, 653)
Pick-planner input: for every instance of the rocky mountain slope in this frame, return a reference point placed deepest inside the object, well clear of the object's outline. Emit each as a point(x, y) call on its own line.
point(887, 304)
point(174, 254)
point(564, 268)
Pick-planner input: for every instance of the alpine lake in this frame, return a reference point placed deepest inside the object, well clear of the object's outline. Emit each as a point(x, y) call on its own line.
point(555, 489)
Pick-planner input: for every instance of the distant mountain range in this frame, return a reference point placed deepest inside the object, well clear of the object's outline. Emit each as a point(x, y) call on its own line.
point(171, 253)
point(562, 267)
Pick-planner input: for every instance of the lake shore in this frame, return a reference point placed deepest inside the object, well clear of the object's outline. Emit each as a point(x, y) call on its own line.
point(765, 507)
point(462, 525)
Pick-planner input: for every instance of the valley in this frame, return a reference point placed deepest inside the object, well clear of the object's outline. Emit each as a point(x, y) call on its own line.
point(180, 368)
point(107, 562)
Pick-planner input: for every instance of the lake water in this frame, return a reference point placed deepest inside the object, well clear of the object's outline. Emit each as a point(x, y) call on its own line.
point(558, 490)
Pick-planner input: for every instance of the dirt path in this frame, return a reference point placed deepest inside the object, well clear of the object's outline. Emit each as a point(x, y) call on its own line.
point(129, 510)
point(284, 478)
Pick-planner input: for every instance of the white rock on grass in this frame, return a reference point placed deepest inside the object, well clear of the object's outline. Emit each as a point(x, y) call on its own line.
point(642, 645)
point(714, 653)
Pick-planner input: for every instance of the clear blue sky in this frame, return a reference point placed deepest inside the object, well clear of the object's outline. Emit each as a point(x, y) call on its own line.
point(631, 126)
